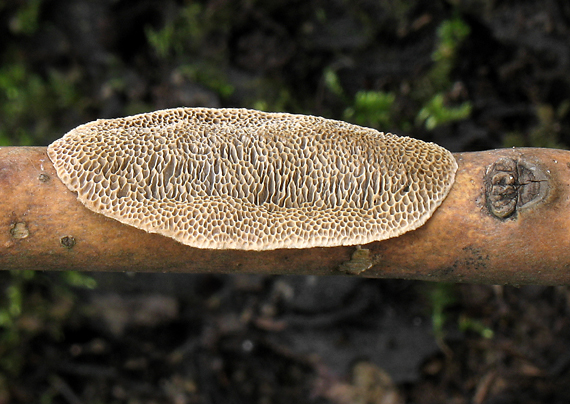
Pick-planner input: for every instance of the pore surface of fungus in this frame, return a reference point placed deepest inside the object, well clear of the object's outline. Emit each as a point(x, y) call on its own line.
point(244, 179)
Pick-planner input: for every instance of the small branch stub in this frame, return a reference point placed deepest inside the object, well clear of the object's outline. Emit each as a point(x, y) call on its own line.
point(360, 261)
point(19, 230)
point(513, 184)
point(67, 241)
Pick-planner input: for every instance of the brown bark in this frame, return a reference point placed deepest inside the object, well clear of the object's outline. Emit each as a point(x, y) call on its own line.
point(44, 227)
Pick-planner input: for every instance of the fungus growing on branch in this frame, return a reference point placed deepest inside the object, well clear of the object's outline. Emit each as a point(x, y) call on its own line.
point(251, 180)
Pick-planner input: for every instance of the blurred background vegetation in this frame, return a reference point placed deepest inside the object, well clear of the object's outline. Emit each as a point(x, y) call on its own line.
point(464, 73)
point(469, 75)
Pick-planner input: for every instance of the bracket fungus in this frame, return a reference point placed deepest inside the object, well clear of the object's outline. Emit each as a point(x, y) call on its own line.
point(251, 180)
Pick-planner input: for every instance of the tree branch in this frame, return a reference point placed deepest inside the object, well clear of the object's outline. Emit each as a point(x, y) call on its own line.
point(506, 220)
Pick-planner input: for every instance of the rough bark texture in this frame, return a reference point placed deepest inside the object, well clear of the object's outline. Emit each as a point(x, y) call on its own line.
point(44, 227)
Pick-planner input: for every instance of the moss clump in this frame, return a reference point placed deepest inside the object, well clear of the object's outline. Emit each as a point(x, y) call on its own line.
point(434, 89)
point(29, 103)
point(434, 95)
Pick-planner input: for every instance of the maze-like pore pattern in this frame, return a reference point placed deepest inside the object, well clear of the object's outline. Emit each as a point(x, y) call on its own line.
point(244, 179)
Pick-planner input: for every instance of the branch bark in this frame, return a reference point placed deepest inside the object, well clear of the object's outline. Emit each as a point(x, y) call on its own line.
point(44, 227)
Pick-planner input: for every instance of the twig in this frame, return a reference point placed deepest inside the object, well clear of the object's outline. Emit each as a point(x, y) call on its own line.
point(43, 226)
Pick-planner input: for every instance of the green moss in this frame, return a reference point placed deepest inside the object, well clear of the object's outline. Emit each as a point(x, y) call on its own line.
point(372, 108)
point(432, 92)
point(441, 297)
point(26, 21)
point(184, 32)
point(29, 103)
point(78, 280)
point(467, 324)
point(450, 35)
point(182, 38)
point(436, 113)
point(332, 82)
point(162, 41)
point(433, 89)
point(367, 108)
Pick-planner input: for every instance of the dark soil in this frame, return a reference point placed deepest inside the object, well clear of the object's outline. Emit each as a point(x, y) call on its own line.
point(165, 338)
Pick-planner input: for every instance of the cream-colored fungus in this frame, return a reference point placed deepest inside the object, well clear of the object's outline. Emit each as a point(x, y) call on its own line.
point(245, 179)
